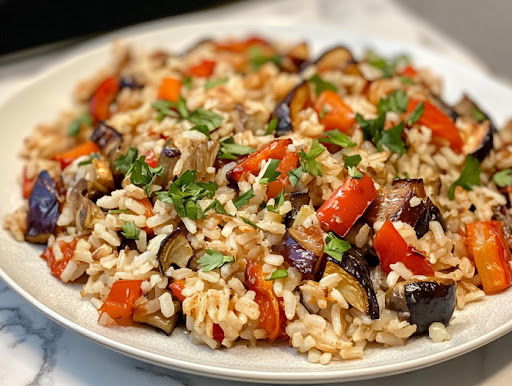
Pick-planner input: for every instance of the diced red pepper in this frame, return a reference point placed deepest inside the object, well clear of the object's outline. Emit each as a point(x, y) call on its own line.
point(151, 159)
point(27, 184)
point(240, 45)
point(441, 124)
point(176, 288)
point(392, 248)
point(270, 313)
point(57, 267)
point(103, 97)
point(217, 333)
point(251, 164)
point(334, 113)
point(69, 156)
point(149, 213)
point(169, 89)
point(287, 164)
point(203, 69)
point(342, 209)
point(486, 243)
point(120, 300)
point(409, 71)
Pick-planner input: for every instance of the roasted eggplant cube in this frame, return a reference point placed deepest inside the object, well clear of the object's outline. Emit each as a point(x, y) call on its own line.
point(336, 58)
point(43, 209)
point(159, 321)
point(298, 200)
point(107, 138)
point(356, 285)
point(174, 250)
point(287, 110)
point(424, 301)
point(167, 160)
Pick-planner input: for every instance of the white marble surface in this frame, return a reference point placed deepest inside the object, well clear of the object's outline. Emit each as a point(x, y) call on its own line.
point(36, 351)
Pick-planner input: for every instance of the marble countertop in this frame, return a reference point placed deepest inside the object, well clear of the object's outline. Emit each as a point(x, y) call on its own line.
point(36, 351)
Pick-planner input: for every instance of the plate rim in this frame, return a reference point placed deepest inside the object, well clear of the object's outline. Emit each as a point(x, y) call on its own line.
point(132, 34)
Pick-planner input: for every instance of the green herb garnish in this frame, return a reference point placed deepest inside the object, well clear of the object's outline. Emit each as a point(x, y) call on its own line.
point(321, 85)
point(392, 139)
point(217, 207)
point(477, 114)
point(124, 162)
point(406, 80)
point(130, 230)
point(336, 137)
point(396, 102)
point(278, 274)
point(202, 129)
point(308, 160)
point(503, 178)
point(204, 117)
point(249, 222)
point(469, 177)
point(215, 82)
point(387, 66)
point(231, 150)
point(272, 126)
point(89, 160)
point(336, 246)
point(243, 199)
point(295, 175)
point(257, 58)
point(352, 160)
point(416, 114)
point(187, 82)
point(213, 259)
point(117, 211)
point(141, 174)
point(76, 124)
point(373, 130)
point(270, 174)
point(278, 201)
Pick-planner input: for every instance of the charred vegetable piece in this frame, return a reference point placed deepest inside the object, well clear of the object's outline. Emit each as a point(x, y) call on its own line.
point(120, 300)
point(334, 112)
point(337, 58)
point(43, 209)
point(103, 97)
point(479, 142)
point(298, 200)
point(158, 320)
point(205, 156)
point(129, 82)
point(354, 231)
point(426, 301)
point(107, 139)
point(288, 109)
point(356, 284)
point(103, 182)
point(167, 160)
point(503, 215)
point(85, 148)
point(308, 261)
point(174, 249)
point(295, 58)
point(87, 213)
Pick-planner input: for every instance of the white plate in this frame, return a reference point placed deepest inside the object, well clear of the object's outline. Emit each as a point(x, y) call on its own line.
point(26, 273)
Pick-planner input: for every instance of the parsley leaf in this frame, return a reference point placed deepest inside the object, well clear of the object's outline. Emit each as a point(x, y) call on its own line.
point(406, 80)
point(74, 126)
point(164, 108)
point(213, 259)
point(141, 174)
point(308, 160)
point(373, 129)
point(117, 211)
point(204, 117)
point(321, 85)
point(387, 66)
point(503, 178)
point(336, 246)
point(278, 201)
point(187, 82)
point(124, 162)
point(336, 137)
point(257, 58)
point(243, 199)
point(392, 138)
point(202, 129)
point(352, 160)
point(469, 177)
point(416, 114)
point(270, 174)
point(272, 126)
point(396, 102)
point(217, 207)
point(477, 114)
point(354, 172)
point(295, 175)
point(249, 222)
point(215, 82)
point(278, 274)
point(89, 160)
point(130, 230)
point(231, 150)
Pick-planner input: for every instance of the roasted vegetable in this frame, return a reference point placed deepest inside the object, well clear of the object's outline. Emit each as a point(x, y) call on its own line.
point(129, 82)
point(85, 148)
point(503, 214)
point(487, 244)
point(57, 267)
point(43, 209)
point(298, 200)
point(394, 203)
point(295, 58)
point(355, 285)
point(205, 155)
point(107, 139)
point(169, 89)
point(103, 97)
point(158, 320)
point(203, 69)
point(478, 142)
point(424, 301)
point(334, 113)
point(287, 164)
point(174, 249)
point(167, 160)
point(87, 213)
point(337, 58)
point(288, 109)
point(120, 300)
point(103, 182)
point(302, 248)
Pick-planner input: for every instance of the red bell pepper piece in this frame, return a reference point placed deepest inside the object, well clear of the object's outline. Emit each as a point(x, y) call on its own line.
point(487, 244)
point(103, 97)
point(151, 159)
point(176, 288)
point(27, 184)
point(392, 248)
point(217, 333)
point(441, 124)
point(203, 69)
point(287, 164)
point(251, 164)
point(86, 148)
point(270, 312)
point(169, 89)
point(240, 45)
point(57, 267)
point(334, 113)
point(120, 300)
point(149, 212)
point(408, 71)
point(342, 209)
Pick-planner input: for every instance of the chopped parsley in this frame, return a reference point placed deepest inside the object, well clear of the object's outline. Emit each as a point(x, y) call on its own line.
point(164, 108)
point(278, 201)
point(74, 126)
point(321, 85)
point(143, 175)
point(396, 102)
point(336, 246)
point(336, 137)
point(387, 66)
point(249, 222)
point(89, 160)
point(213, 259)
point(295, 175)
point(215, 82)
point(217, 207)
point(258, 58)
point(202, 129)
point(124, 162)
point(231, 150)
point(469, 177)
point(354, 172)
point(184, 193)
point(392, 139)
point(204, 117)
point(406, 80)
point(352, 160)
point(503, 178)
point(278, 274)
point(416, 114)
point(308, 160)
point(477, 114)
point(270, 174)
point(117, 211)
point(243, 199)
point(272, 126)
point(187, 82)
point(373, 130)
point(130, 230)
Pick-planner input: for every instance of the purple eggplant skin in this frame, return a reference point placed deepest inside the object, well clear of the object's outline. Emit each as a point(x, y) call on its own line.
point(107, 138)
point(129, 82)
point(43, 209)
point(299, 257)
point(285, 110)
point(298, 200)
point(354, 263)
point(426, 301)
